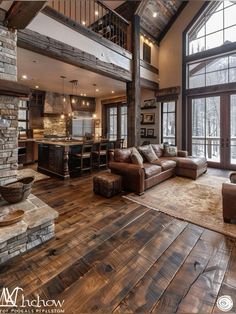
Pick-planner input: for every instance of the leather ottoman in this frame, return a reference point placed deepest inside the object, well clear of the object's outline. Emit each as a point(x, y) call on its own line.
point(107, 184)
point(191, 167)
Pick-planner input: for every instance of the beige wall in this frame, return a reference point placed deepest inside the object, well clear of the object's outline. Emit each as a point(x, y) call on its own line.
point(170, 56)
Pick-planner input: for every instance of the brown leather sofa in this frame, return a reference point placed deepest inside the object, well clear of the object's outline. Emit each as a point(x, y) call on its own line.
point(138, 178)
point(229, 198)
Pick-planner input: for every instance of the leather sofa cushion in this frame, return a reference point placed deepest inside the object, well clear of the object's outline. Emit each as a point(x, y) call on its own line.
point(151, 170)
point(188, 162)
point(165, 164)
point(158, 149)
point(123, 155)
point(147, 152)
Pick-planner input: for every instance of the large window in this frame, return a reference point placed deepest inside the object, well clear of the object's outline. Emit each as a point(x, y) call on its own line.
point(214, 71)
point(214, 28)
point(169, 122)
point(115, 122)
point(206, 128)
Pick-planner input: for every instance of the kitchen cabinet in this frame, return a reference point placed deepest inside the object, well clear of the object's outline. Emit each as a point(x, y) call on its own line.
point(36, 104)
point(30, 151)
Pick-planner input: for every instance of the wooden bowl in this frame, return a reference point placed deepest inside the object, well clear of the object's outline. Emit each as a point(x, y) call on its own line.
point(12, 218)
point(17, 191)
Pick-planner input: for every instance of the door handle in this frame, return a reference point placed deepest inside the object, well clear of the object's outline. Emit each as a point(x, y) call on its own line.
point(227, 142)
point(222, 143)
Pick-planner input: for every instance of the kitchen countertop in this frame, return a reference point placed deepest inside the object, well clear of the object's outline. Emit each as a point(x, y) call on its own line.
point(60, 142)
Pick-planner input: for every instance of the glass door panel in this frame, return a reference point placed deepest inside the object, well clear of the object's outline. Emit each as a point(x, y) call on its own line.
point(233, 130)
point(206, 128)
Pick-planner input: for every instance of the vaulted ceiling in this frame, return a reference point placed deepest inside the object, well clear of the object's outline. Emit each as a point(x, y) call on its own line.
point(158, 15)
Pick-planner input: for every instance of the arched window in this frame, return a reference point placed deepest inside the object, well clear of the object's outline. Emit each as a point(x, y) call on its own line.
point(209, 84)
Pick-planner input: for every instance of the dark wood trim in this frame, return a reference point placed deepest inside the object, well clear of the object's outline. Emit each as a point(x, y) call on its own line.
point(21, 13)
point(50, 12)
point(185, 120)
point(172, 20)
point(148, 66)
point(149, 84)
point(216, 89)
point(10, 88)
point(52, 48)
point(211, 52)
point(119, 99)
point(133, 90)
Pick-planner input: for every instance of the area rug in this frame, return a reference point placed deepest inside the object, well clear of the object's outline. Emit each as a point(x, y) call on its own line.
point(30, 172)
point(198, 202)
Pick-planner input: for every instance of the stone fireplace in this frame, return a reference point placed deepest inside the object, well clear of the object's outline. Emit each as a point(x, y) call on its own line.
point(8, 107)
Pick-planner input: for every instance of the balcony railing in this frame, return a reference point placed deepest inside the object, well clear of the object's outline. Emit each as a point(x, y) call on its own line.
point(96, 16)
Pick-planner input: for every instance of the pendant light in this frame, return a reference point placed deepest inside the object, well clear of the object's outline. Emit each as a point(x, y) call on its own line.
point(63, 91)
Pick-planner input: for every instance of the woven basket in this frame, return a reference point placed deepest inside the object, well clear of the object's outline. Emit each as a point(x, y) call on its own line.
point(17, 191)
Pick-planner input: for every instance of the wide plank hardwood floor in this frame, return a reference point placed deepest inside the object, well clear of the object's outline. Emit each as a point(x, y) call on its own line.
point(112, 255)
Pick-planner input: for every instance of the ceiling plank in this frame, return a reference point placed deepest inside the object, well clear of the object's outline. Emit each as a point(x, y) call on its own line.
point(58, 50)
point(172, 20)
point(21, 13)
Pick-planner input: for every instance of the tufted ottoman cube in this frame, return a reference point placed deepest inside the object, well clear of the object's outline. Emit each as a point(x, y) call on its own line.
point(107, 184)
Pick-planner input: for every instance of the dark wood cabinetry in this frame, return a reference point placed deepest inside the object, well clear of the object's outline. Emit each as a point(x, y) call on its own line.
point(36, 107)
point(51, 159)
point(27, 152)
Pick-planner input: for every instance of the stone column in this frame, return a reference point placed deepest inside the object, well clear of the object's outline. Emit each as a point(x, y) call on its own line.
point(8, 108)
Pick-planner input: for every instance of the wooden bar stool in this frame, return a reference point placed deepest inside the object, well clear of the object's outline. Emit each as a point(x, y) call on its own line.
point(83, 159)
point(100, 156)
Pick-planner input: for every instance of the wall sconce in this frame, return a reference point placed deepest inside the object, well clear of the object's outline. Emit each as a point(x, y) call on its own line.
point(94, 116)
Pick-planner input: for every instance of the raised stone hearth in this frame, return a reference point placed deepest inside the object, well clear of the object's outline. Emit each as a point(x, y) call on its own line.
point(36, 227)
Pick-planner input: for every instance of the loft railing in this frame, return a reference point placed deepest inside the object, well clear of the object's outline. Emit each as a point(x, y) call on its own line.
point(97, 16)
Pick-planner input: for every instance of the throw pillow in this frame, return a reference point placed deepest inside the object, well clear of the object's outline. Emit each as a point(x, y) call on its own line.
point(170, 151)
point(136, 158)
point(148, 152)
point(158, 149)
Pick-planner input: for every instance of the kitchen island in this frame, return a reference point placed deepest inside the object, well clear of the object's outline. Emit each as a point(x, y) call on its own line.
point(53, 156)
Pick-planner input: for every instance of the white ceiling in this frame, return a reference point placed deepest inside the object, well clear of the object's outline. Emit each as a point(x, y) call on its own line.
point(45, 72)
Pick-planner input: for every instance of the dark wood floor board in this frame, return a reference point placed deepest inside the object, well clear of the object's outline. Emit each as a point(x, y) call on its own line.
point(71, 274)
point(116, 255)
point(150, 288)
point(157, 245)
point(201, 261)
point(228, 286)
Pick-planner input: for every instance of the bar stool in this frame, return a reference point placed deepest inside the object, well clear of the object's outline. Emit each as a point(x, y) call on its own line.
point(82, 161)
point(100, 155)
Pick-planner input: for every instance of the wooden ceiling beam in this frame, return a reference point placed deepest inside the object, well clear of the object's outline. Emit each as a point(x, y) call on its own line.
point(21, 13)
point(10, 88)
point(58, 50)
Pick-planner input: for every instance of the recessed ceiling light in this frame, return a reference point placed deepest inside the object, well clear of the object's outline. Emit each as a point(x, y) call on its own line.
point(113, 92)
point(154, 14)
point(85, 95)
point(83, 22)
point(81, 94)
point(97, 90)
point(24, 77)
point(96, 13)
point(36, 86)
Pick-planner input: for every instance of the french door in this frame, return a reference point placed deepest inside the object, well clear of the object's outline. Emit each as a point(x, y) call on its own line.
point(213, 129)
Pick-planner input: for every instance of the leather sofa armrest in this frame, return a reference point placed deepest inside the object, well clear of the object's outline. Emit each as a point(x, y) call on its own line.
point(111, 154)
point(182, 153)
point(228, 189)
point(133, 175)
